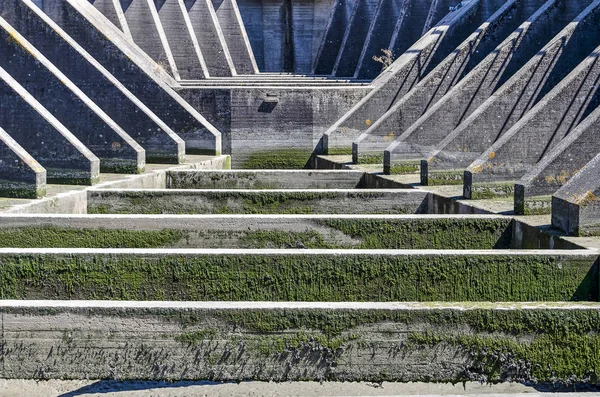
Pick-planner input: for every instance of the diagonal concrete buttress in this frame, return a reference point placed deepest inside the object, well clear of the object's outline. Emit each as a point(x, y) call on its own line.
point(66, 159)
point(20, 175)
point(369, 146)
point(134, 69)
point(159, 141)
point(117, 151)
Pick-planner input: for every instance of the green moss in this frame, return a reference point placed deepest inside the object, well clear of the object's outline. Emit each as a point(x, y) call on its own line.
point(482, 191)
point(540, 205)
point(281, 239)
point(57, 237)
point(281, 277)
point(23, 193)
point(201, 152)
point(278, 159)
point(404, 167)
point(445, 178)
point(74, 181)
point(196, 337)
point(227, 165)
point(339, 151)
point(370, 158)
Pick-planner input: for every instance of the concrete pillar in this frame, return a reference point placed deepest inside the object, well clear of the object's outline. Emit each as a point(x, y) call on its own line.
point(559, 165)
point(230, 19)
point(117, 151)
point(20, 175)
point(541, 129)
point(576, 206)
point(477, 87)
point(337, 26)
point(135, 70)
point(124, 108)
point(397, 80)
point(210, 37)
point(181, 41)
point(370, 144)
point(65, 158)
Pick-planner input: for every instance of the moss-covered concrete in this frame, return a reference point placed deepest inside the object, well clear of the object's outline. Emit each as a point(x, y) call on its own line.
point(278, 159)
point(332, 276)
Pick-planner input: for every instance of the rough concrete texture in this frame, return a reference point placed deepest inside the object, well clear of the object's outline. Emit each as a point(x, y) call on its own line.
point(240, 201)
point(159, 141)
point(477, 87)
point(542, 128)
point(575, 206)
point(136, 71)
point(370, 144)
point(557, 167)
point(117, 151)
point(266, 179)
point(393, 83)
point(160, 340)
point(518, 95)
point(20, 175)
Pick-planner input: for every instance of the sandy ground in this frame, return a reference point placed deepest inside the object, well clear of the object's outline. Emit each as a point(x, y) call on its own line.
point(29, 388)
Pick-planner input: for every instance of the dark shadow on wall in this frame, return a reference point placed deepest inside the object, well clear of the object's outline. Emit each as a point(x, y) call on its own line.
point(111, 386)
point(588, 289)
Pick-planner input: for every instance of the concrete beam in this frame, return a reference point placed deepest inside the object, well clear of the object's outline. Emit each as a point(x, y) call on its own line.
point(337, 26)
point(576, 205)
point(477, 87)
point(210, 37)
point(135, 70)
point(541, 129)
point(183, 44)
point(107, 7)
point(362, 21)
point(160, 142)
point(518, 95)
point(122, 339)
point(337, 201)
point(397, 80)
point(20, 175)
point(65, 158)
point(370, 144)
point(236, 37)
point(117, 151)
point(560, 164)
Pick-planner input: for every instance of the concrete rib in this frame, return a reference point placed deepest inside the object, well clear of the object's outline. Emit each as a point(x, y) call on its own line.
point(21, 176)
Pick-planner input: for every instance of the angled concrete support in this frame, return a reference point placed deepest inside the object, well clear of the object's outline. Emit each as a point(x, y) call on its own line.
point(501, 111)
point(361, 23)
point(576, 206)
point(65, 158)
point(135, 70)
point(559, 165)
point(234, 32)
point(370, 144)
point(160, 142)
point(398, 79)
point(20, 175)
point(337, 25)
point(107, 7)
point(473, 90)
point(541, 129)
point(181, 40)
point(210, 37)
point(117, 151)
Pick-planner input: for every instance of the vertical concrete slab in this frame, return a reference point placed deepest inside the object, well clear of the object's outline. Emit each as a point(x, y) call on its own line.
point(477, 87)
point(541, 128)
point(210, 37)
point(511, 101)
point(335, 32)
point(303, 29)
point(178, 34)
point(117, 151)
point(134, 69)
point(20, 175)
point(252, 17)
point(397, 80)
point(65, 158)
point(370, 145)
point(159, 141)
point(560, 164)
point(236, 37)
point(360, 24)
point(576, 206)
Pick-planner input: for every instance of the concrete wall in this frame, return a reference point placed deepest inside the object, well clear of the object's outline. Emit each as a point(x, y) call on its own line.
point(20, 175)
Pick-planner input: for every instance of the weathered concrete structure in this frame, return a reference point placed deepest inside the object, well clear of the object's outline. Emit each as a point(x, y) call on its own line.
point(129, 248)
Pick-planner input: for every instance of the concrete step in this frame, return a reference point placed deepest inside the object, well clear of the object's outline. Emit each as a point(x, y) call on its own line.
point(288, 201)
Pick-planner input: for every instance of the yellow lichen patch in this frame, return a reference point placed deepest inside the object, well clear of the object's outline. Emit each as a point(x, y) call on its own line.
point(587, 198)
point(550, 179)
point(368, 122)
point(389, 137)
point(492, 155)
point(477, 169)
point(563, 177)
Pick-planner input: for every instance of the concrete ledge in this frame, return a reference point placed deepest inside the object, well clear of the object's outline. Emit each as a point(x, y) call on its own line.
point(182, 201)
point(434, 342)
point(20, 175)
